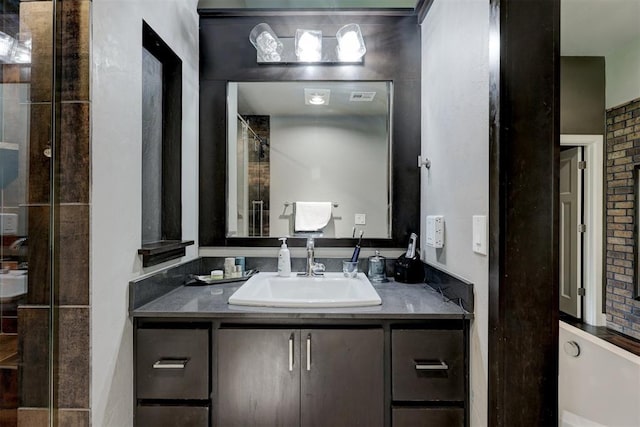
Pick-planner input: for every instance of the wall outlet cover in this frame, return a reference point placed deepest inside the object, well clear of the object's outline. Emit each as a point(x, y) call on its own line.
point(360, 219)
point(435, 231)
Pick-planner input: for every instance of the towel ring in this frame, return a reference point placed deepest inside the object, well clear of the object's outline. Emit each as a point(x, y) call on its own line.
point(334, 204)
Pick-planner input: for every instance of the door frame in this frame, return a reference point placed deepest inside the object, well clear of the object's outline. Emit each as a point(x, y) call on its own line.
point(593, 202)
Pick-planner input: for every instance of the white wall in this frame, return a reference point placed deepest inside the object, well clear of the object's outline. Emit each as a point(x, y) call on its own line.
point(623, 74)
point(311, 162)
point(116, 180)
point(455, 136)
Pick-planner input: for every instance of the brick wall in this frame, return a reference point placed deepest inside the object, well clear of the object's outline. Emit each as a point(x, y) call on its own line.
point(623, 155)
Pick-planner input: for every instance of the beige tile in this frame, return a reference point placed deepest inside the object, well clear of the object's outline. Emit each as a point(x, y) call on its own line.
point(33, 417)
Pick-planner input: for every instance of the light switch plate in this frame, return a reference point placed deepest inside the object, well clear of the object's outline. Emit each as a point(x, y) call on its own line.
point(435, 231)
point(480, 234)
point(360, 219)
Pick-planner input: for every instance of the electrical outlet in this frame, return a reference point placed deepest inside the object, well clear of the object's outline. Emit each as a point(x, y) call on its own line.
point(435, 231)
point(360, 219)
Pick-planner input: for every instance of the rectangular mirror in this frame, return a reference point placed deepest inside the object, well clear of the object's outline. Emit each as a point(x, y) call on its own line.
point(309, 141)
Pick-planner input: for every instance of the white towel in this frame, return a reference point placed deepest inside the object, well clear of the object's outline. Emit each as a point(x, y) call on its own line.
point(312, 216)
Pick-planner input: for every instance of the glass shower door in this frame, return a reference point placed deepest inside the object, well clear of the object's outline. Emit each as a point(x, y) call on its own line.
point(258, 176)
point(25, 167)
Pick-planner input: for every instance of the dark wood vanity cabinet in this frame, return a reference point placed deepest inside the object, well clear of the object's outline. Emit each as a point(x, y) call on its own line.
point(371, 373)
point(300, 377)
point(428, 377)
point(172, 376)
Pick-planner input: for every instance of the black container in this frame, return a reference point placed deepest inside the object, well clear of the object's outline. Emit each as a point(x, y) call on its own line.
point(409, 270)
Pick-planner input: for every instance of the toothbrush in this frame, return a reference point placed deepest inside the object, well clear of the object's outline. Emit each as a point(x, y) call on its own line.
point(411, 250)
point(356, 251)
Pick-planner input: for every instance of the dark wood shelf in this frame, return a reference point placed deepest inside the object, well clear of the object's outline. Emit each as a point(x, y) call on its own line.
point(164, 250)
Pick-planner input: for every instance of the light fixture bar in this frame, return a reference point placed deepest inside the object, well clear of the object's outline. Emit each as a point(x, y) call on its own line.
point(309, 46)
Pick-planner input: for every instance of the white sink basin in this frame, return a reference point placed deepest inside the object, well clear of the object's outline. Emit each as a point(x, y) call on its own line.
point(13, 283)
point(332, 290)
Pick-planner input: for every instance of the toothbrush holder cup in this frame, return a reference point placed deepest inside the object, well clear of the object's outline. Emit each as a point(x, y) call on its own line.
point(350, 269)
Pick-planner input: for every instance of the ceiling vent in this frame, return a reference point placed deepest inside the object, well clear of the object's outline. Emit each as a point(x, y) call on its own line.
point(362, 96)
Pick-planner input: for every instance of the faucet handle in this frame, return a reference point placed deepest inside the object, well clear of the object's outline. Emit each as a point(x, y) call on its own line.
point(318, 267)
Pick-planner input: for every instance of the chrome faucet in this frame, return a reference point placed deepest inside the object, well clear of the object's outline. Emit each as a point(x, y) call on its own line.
point(313, 268)
point(19, 243)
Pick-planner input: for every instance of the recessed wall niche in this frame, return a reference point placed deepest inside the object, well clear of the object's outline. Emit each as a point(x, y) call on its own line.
point(161, 220)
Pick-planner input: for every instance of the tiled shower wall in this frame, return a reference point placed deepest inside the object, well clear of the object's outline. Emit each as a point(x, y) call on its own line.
point(623, 156)
point(69, 211)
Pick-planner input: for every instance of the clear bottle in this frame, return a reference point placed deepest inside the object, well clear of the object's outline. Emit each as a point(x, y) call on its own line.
point(284, 259)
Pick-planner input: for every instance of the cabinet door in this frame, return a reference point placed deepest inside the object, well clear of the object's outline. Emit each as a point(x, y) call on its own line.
point(258, 377)
point(342, 381)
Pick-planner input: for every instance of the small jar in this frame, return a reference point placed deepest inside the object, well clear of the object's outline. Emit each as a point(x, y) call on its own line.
point(377, 268)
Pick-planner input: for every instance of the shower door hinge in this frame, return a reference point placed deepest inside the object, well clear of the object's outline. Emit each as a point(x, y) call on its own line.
point(582, 228)
point(581, 292)
point(582, 165)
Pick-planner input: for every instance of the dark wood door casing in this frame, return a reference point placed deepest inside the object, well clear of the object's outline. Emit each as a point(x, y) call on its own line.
point(523, 187)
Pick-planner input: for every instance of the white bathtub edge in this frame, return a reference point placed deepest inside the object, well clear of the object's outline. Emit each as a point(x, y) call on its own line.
point(602, 343)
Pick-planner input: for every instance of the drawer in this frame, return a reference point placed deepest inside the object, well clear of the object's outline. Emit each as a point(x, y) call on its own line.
point(172, 416)
point(427, 417)
point(427, 365)
point(172, 364)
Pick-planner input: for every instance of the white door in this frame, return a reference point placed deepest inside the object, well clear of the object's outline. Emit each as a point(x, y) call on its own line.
point(570, 235)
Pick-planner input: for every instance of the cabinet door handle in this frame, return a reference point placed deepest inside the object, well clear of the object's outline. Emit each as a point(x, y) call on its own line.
point(170, 364)
point(439, 366)
point(309, 352)
point(291, 353)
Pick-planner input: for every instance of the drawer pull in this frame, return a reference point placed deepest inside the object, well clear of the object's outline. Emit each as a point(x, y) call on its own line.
point(170, 364)
point(291, 353)
point(440, 366)
point(309, 352)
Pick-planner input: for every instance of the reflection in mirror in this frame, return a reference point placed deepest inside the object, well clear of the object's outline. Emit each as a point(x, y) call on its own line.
point(636, 231)
point(322, 142)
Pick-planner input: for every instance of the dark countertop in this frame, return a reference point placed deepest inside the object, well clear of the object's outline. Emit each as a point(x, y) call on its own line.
point(399, 301)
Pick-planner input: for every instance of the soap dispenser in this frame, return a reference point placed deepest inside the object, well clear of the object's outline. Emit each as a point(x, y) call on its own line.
point(284, 259)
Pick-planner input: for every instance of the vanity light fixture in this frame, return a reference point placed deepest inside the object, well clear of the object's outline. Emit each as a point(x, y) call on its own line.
point(308, 45)
point(13, 51)
point(266, 42)
point(350, 43)
point(316, 96)
point(6, 46)
point(22, 54)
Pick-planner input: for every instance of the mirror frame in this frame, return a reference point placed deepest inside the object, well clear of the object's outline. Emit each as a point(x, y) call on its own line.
point(393, 55)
